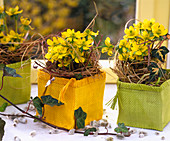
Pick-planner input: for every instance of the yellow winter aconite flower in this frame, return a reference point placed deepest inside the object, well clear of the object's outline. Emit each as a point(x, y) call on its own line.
point(124, 44)
point(138, 25)
point(146, 36)
point(90, 33)
point(159, 30)
point(15, 37)
point(1, 9)
point(14, 11)
point(71, 34)
point(109, 47)
point(131, 32)
point(25, 21)
point(52, 42)
point(148, 24)
point(5, 40)
point(83, 43)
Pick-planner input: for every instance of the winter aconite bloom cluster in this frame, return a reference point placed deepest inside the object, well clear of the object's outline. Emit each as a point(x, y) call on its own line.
point(71, 47)
point(140, 55)
point(11, 39)
point(139, 40)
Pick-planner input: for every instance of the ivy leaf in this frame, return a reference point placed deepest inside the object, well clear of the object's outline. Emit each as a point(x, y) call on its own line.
point(160, 53)
point(87, 132)
point(10, 72)
point(3, 107)
point(80, 117)
point(38, 104)
point(121, 128)
point(2, 124)
point(155, 71)
point(49, 100)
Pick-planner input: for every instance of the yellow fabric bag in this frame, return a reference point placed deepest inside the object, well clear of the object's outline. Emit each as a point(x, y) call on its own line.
point(86, 93)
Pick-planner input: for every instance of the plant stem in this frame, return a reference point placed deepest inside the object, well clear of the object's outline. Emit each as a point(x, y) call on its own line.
point(16, 26)
point(79, 132)
point(31, 116)
point(149, 57)
point(2, 83)
point(6, 27)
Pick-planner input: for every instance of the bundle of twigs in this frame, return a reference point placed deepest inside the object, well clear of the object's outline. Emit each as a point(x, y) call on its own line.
point(135, 72)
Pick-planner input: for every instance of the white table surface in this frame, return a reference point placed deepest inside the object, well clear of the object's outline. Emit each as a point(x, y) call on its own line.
point(42, 134)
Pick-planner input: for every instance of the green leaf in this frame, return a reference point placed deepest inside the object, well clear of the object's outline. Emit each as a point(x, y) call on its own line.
point(121, 128)
point(155, 71)
point(87, 132)
point(80, 117)
point(160, 53)
point(10, 72)
point(38, 104)
point(49, 100)
point(2, 124)
point(3, 107)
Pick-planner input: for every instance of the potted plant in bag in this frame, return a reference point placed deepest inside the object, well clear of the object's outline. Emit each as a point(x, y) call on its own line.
point(14, 53)
point(71, 80)
point(143, 86)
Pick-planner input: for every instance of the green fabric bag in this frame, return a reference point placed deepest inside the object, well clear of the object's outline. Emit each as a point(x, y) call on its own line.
point(17, 89)
point(144, 106)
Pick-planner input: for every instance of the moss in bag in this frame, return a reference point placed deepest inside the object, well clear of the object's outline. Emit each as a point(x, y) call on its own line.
point(144, 106)
point(86, 93)
point(17, 89)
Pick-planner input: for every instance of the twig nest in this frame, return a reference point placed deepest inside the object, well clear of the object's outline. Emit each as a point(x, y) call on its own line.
point(71, 132)
point(32, 133)
point(109, 139)
point(120, 136)
point(17, 138)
